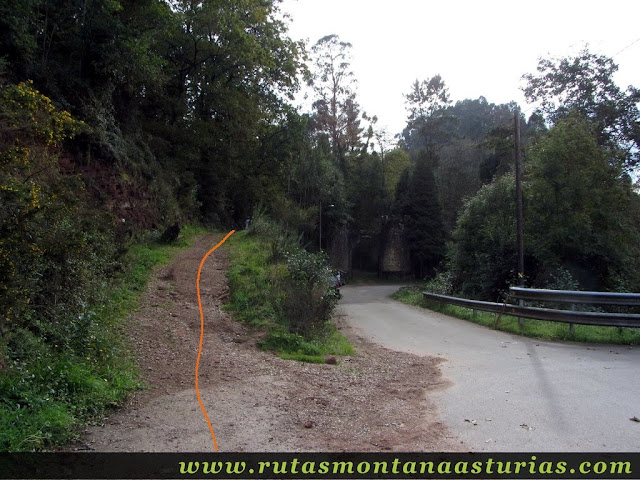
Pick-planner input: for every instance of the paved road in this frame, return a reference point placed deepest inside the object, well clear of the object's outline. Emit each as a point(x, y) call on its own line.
point(511, 393)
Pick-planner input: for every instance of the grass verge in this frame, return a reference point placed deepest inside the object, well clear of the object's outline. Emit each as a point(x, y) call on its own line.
point(530, 328)
point(49, 390)
point(256, 283)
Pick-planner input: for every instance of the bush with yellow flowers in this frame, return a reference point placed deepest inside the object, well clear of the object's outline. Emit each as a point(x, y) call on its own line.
point(54, 247)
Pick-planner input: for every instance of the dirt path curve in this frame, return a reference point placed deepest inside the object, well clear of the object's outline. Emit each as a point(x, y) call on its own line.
point(374, 401)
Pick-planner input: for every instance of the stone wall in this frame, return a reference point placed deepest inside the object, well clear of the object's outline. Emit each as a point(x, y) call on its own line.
point(395, 256)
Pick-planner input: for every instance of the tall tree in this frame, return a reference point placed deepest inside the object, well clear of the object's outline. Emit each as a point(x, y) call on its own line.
point(232, 65)
point(425, 104)
point(426, 98)
point(584, 83)
point(394, 164)
point(366, 191)
point(582, 214)
point(422, 217)
point(482, 256)
point(456, 177)
point(472, 144)
point(336, 110)
point(581, 217)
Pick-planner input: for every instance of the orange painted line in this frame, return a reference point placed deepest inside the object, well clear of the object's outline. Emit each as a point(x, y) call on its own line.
point(204, 411)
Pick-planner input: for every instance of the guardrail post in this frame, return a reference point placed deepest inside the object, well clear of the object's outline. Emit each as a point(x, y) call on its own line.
point(573, 309)
point(520, 320)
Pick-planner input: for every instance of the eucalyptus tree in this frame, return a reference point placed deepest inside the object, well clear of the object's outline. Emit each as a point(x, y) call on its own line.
point(425, 104)
point(336, 110)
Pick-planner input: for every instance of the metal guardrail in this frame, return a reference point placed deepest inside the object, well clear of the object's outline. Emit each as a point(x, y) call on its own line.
point(552, 315)
point(574, 297)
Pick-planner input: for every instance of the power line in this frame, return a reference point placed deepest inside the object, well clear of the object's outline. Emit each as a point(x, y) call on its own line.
point(628, 46)
point(534, 106)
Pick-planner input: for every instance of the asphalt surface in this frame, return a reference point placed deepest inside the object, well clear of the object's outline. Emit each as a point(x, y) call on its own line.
point(511, 393)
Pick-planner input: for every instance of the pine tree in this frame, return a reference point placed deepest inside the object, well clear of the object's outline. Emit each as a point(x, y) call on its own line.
point(423, 218)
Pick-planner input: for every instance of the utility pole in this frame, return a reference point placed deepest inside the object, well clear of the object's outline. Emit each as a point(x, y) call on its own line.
point(519, 213)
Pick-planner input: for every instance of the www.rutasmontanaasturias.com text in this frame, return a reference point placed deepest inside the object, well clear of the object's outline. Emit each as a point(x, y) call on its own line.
point(399, 467)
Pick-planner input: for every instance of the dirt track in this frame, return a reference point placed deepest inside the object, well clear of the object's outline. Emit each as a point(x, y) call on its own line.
point(376, 400)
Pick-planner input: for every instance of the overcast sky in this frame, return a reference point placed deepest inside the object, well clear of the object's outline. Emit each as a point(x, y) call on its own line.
point(481, 48)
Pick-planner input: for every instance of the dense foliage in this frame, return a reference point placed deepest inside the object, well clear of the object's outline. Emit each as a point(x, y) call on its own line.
point(420, 212)
point(580, 207)
point(117, 117)
point(277, 285)
point(584, 84)
point(581, 219)
point(183, 98)
point(55, 249)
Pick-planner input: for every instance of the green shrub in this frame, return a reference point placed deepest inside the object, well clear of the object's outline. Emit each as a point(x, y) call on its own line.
point(309, 296)
point(63, 283)
point(283, 241)
point(580, 224)
point(277, 285)
point(441, 284)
